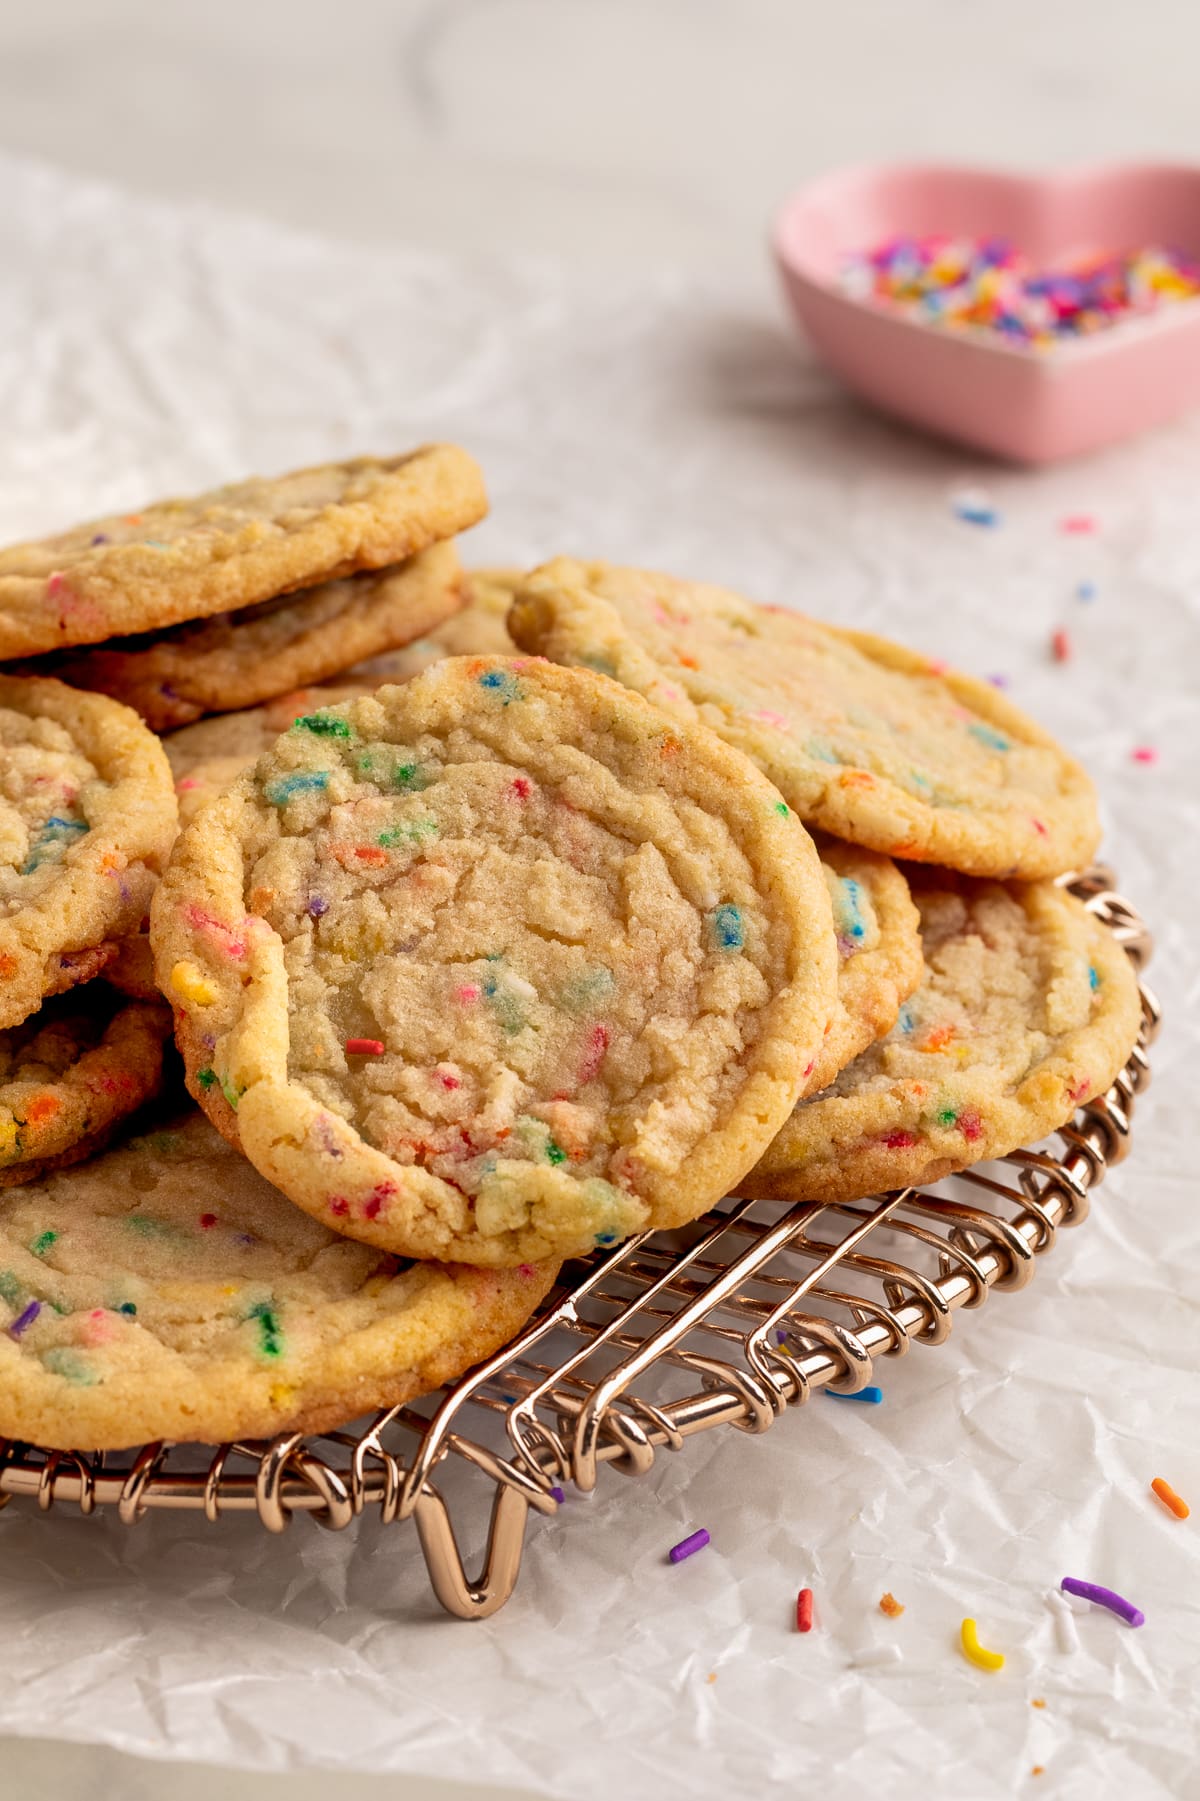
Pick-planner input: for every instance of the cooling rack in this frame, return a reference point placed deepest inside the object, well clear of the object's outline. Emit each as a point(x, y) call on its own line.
point(727, 1322)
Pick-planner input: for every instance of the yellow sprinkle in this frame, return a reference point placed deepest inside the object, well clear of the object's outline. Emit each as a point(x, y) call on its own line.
point(191, 984)
point(282, 1394)
point(975, 1652)
point(8, 1136)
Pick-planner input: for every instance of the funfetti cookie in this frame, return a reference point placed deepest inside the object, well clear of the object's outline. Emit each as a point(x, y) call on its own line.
point(206, 757)
point(232, 547)
point(235, 660)
point(1028, 1008)
point(499, 964)
point(165, 1291)
point(878, 932)
point(71, 1073)
point(870, 741)
point(87, 816)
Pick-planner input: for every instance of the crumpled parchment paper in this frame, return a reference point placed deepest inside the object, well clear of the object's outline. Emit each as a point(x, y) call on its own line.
point(144, 351)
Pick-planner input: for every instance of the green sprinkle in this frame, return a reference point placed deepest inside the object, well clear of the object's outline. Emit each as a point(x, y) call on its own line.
point(128, 1307)
point(599, 662)
point(554, 1152)
point(590, 990)
point(325, 725)
point(10, 1289)
point(985, 735)
point(270, 1334)
point(232, 1095)
point(1093, 977)
point(505, 1006)
point(408, 831)
point(42, 1243)
point(148, 1225)
point(61, 1361)
point(782, 808)
point(206, 1078)
point(947, 1117)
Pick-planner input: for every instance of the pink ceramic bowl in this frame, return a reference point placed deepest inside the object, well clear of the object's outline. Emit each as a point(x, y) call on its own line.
point(1030, 406)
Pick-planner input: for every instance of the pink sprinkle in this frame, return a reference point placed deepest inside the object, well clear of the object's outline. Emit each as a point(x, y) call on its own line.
point(1060, 644)
point(526, 1270)
point(54, 582)
point(447, 1078)
point(593, 1056)
point(936, 666)
point(1144, 753)
point(339, 1205)
point(467, 994)
point(235, 946)
point(99, 1327)
point(1077, 524)
point(189, 781)
point(776, 719)
point(1038, 827)
point(364, 1047)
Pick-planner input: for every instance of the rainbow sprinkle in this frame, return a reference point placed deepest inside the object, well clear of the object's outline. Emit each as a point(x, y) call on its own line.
point(1171, 1501)
point(25, 1319)
point(687, 1547)
point(983, 285)
point(804, 1610)
point(1104, 1597)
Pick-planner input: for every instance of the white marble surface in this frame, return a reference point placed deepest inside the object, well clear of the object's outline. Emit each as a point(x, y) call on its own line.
point(613, 134)
point(607, 131)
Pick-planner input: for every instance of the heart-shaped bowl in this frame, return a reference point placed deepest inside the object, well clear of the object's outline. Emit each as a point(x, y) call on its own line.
point(1031, 406)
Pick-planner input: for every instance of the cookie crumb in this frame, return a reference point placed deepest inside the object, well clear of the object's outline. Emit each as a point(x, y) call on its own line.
point(888, 1604)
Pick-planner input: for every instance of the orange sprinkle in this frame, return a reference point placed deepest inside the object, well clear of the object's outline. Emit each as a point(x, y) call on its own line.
point(1170, 1499)
point(712, 1675)
point(8, 964)
point(938, 1038)
point(688, 662)
point(888, 1604)
point(1037, 1770)
point(669, 747)
point(856, 778)
point(39, 1110)
point(1037, 1703)
point(133, 518)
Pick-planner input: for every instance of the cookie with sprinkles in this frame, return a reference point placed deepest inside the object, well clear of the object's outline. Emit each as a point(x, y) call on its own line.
point(71, 1073)
point(499, 964)
point(87, 816)
point(874, 743)
point(1028, 1008)
point(234, 660)
point(164, 1290)
point(878, 934)
point(232, 547)
point(206, 757)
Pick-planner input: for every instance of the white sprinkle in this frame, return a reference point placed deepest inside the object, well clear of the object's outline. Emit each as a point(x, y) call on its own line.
point(1076, 1603)
point(871, 1656)
point(1065, 1635)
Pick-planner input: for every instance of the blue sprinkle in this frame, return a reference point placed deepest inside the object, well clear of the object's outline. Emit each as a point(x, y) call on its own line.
point(985, 735)
point(1093, 977)
point(65, 825)
point(973, 511)
point(280, 791)
point(1086, 591)
point(907, 1021)
point(872, 1396)
point(851, 920)
point(728, 928)
point(502, 683)
point(605, 1238)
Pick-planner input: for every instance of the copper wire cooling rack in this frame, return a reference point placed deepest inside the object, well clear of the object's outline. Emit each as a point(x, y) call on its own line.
point(727, 1322)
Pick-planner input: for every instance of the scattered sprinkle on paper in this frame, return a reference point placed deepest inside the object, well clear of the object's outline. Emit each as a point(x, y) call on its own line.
point(888, 1604)
point(1144, 753)
point(974, 507)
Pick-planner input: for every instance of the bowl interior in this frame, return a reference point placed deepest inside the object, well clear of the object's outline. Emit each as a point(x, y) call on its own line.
point(1053, 219)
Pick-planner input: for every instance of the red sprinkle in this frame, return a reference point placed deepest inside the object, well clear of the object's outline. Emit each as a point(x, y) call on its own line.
point(208, 1221)
point(1060, 643)
point(804, 1607)
point(900, 1141)
point(364, 1047)
point(339, 1205)
point(593, 1056)
point(1144, 753)
point(970, 1124)
point(368, 853)
point(521, 788)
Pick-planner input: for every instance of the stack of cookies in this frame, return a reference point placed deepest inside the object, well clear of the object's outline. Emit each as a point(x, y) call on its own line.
point(560, 907)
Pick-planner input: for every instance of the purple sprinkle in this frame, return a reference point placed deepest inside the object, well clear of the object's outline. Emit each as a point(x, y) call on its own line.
point(998, 681)
point(781, 1336)
point(245, 1238)
point(1104, 1597)
point(24, 1320)
point(317, 905)
point(100, 538)
point(168, 691)
point(687, 1547)
point(558, 1495)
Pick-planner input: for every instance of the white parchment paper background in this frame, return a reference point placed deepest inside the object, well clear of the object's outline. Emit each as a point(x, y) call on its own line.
point(144, 351)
